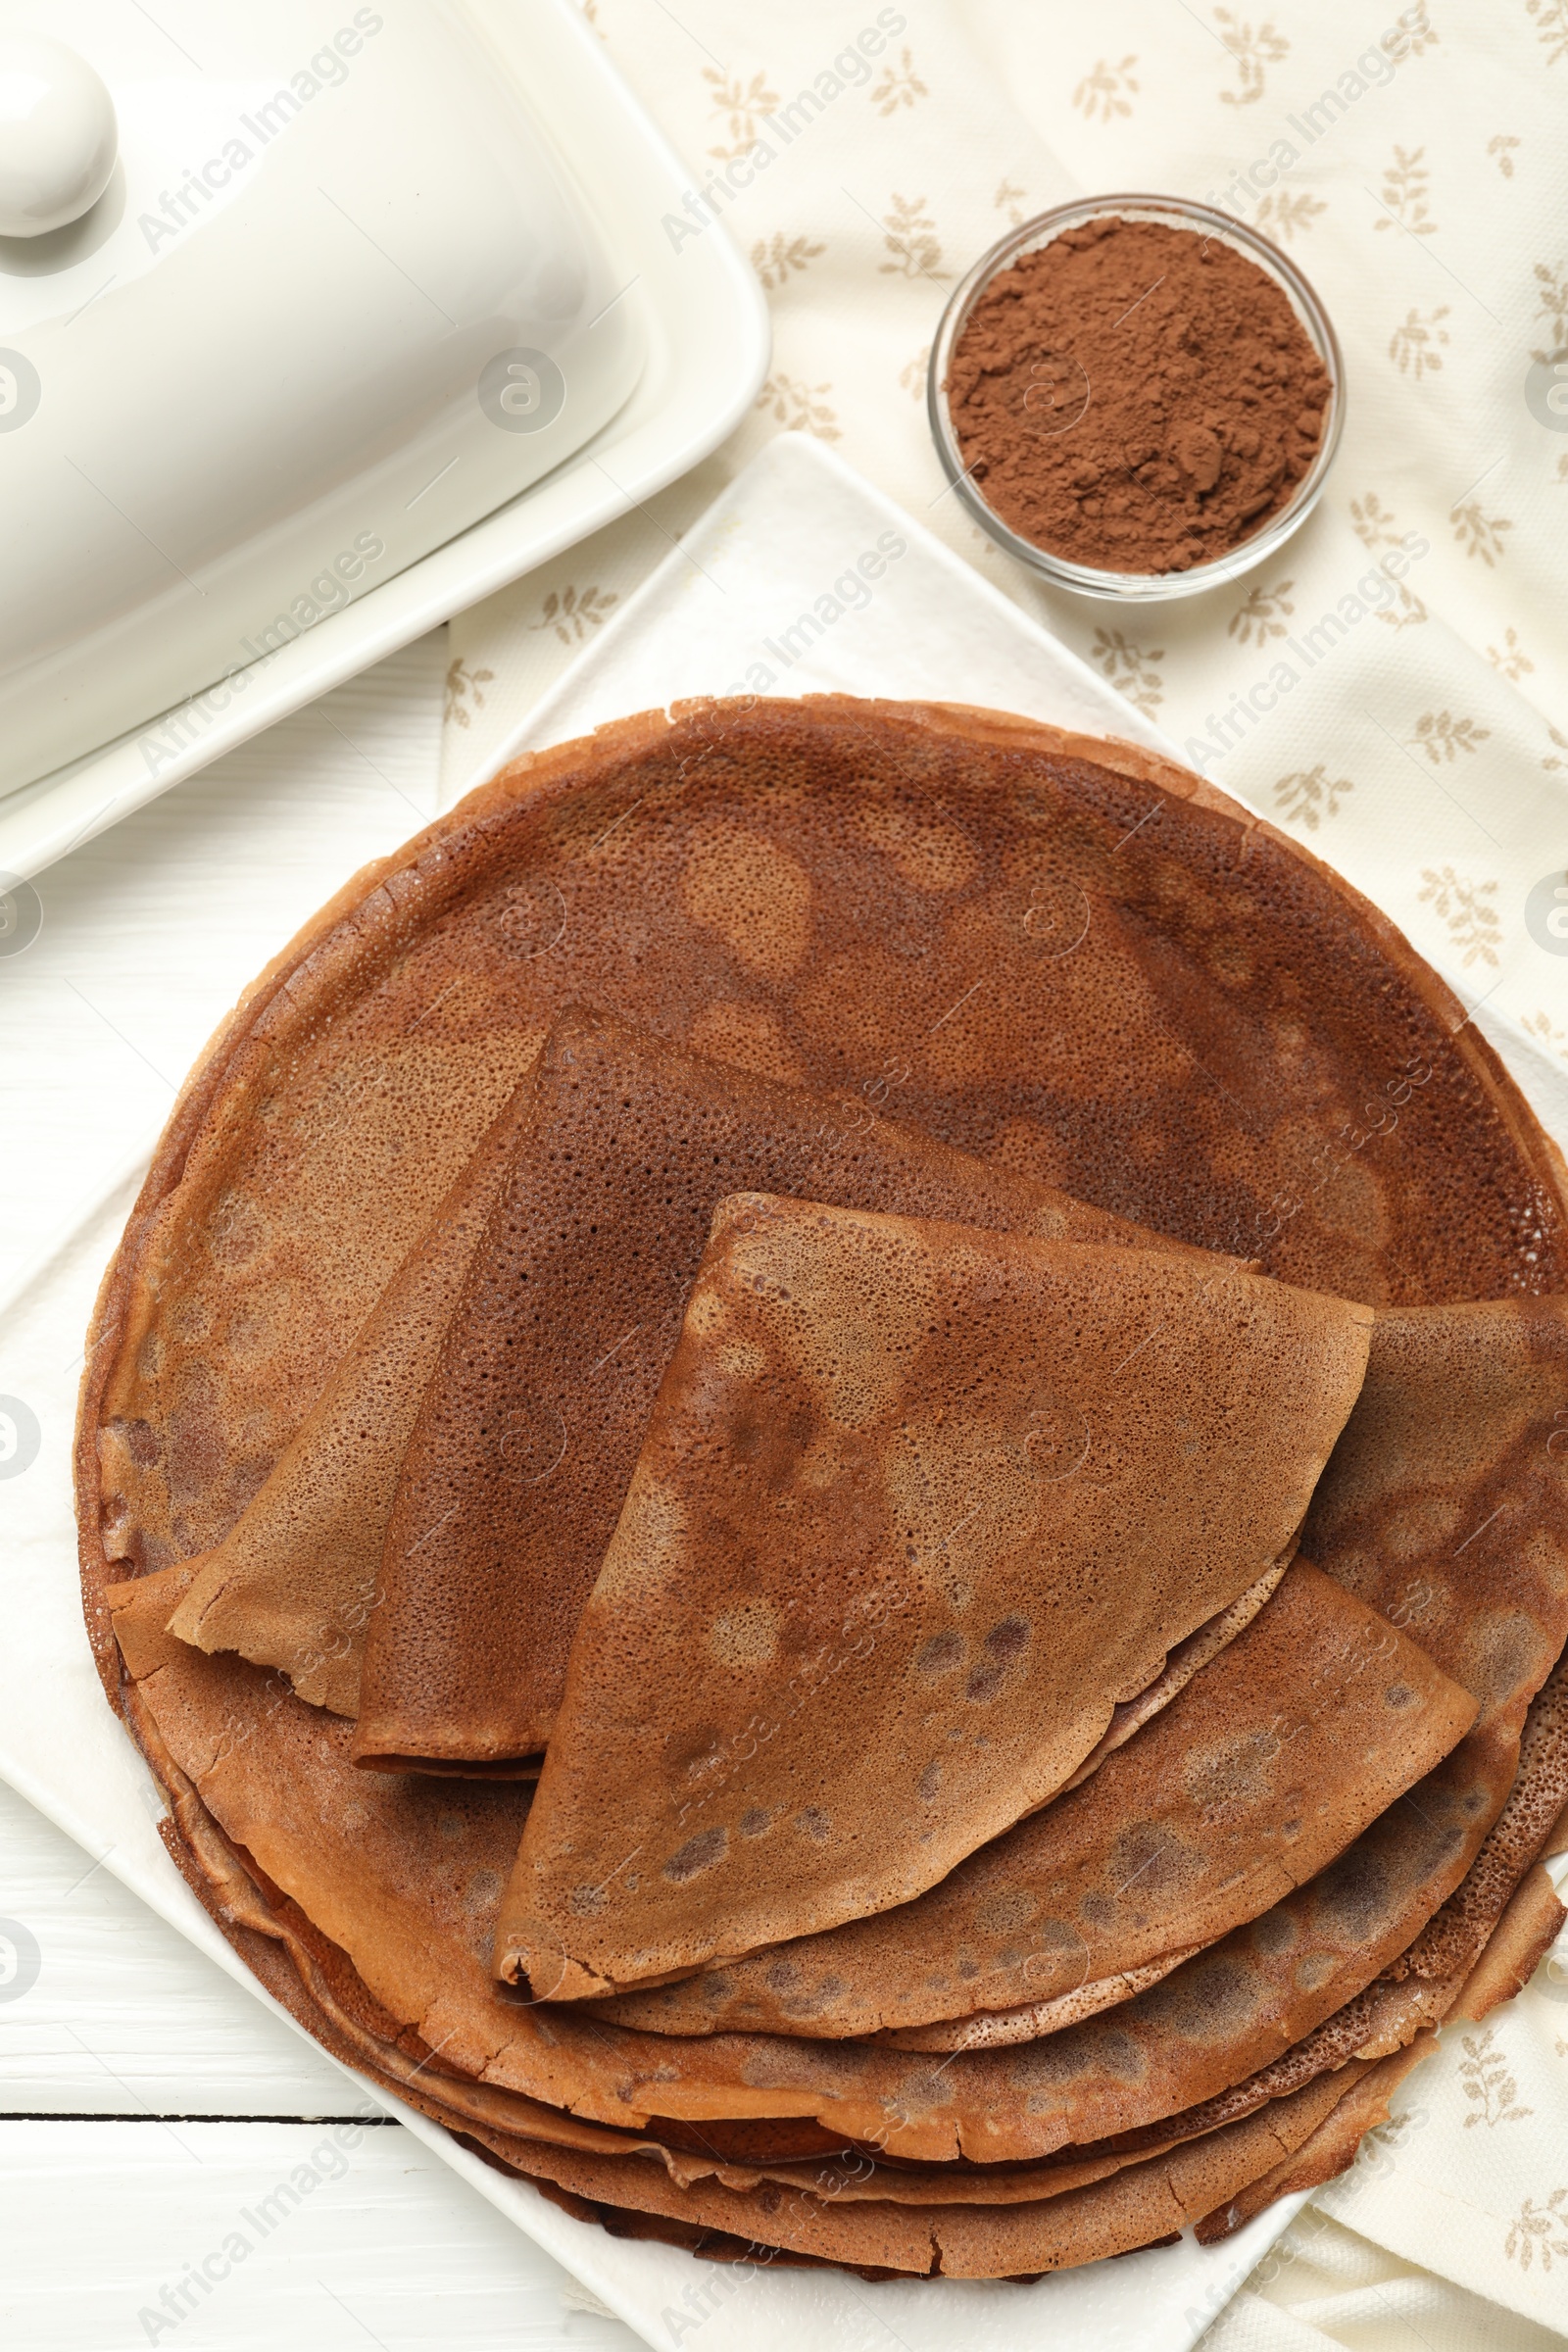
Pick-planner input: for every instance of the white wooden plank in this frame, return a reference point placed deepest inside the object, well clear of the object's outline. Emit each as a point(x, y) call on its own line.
point(125, 2016)
point(101, 1018)
point(248, 2237)
point(150, 932)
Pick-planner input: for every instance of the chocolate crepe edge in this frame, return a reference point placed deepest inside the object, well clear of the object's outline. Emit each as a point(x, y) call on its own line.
point(1330, 2143)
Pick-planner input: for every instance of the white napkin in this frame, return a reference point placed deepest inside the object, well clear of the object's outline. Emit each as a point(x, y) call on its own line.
point(1412, 163)
point(1323, 2286)
point(1415, 743)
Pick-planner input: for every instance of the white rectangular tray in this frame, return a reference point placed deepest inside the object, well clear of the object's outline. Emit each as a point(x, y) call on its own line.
point(775, 541)
point(708, 334)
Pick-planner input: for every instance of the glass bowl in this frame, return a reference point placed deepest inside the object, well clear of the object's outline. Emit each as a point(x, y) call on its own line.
point(1176, 212)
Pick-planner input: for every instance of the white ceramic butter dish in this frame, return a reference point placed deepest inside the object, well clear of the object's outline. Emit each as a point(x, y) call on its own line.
point(362, 277)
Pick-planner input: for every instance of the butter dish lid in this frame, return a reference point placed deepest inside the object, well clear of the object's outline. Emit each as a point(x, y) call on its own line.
point(338, 299)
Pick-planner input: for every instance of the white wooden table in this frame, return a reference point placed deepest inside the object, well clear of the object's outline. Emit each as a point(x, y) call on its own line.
point(148, 2107)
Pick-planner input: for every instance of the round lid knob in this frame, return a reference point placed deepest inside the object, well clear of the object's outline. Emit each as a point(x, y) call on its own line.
point(57, 136)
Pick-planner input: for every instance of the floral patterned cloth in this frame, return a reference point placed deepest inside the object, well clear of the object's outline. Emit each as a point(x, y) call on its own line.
point(1393, 688)
point(1459, 2205)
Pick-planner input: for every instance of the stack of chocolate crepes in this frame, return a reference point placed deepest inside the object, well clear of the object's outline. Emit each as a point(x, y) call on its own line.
point(828, 1468)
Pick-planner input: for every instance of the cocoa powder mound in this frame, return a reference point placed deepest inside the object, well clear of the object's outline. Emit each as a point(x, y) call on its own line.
point(1135, 397)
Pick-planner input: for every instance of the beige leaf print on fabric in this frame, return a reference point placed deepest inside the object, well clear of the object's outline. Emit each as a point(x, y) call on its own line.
point(913, 373)
point(741, 105)
point(1443, 737)
point(1501, 149)
point(573, 617)
point(1011, 201)
point(912, 239)
point(1376, 527)
point(1540, 1025)
point(461, 683)
point(1105, 88)
point(1385, 2137)
point(899, 85)
point(1413, 347)
point(1425, 34)
point(1463, 906)
point(1130, 670)
point(1480, 534)
point(1404, 194)
point(1488, 2083)
point(1510, 656)
point(1553, 301)
point(1552, 27)
point(1550, 762)
point(1258, 617)
point(1253, 52)
point(800, 408)
point(1540, 2231)
point(1307, 796)
point(1280, 216)
point(778, 258)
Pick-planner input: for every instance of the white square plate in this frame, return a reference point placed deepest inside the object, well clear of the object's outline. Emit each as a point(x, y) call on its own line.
point(727, 603)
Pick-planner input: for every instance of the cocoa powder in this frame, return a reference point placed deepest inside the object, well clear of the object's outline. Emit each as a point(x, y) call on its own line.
point(1135, 397)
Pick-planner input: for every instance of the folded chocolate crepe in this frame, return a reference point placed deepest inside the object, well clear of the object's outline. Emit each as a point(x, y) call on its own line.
point(1449, 1488)
point(1445, 1505)
point(917, 1507)
point(1271, 1761)
point(273, 1226)
point(485, 1590)
point(531, 1418)
point(293, 1582)
point(1066, 958)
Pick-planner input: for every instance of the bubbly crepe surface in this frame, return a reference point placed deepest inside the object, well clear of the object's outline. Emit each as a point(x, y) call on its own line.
point(901, 1497)
point(1085, 968)
point(1278, 1754)
point(518, 1461)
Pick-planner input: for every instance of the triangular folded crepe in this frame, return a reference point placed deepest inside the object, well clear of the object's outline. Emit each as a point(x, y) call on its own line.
point(524, 1444)
point(1446, 1502)
point(293, 1582)
point(272, 1226)
point(1443, 1504)
point(1283, 1750)
point(918, 1506)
